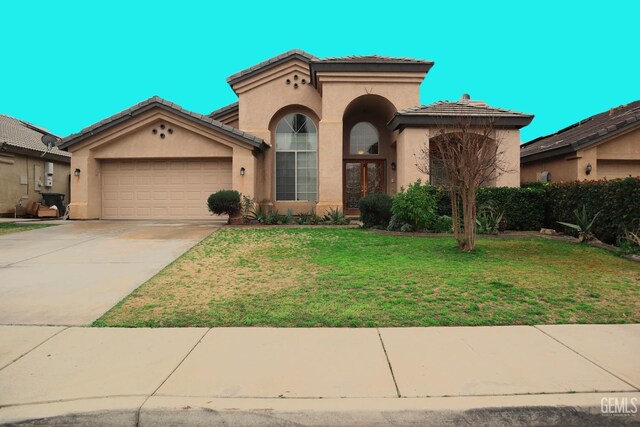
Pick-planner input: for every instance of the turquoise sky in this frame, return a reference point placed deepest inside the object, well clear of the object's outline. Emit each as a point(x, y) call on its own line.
point(67, 65)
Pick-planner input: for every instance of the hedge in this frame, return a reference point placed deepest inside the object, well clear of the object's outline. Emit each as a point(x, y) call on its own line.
point(618, 202)
point(523, 207)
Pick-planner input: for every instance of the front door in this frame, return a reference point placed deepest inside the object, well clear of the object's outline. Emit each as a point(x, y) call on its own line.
point(361, 177)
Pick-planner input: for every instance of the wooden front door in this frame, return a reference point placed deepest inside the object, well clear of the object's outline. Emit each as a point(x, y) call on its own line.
point(361, 177)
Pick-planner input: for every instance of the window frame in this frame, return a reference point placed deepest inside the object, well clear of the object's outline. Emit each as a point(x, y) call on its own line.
point(295, 155)
point(366, 154)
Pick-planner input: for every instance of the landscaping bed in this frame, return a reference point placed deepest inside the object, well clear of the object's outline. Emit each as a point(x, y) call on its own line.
point(311, 277)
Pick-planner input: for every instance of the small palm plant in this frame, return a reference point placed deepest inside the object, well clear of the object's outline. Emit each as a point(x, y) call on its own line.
point(583, 225)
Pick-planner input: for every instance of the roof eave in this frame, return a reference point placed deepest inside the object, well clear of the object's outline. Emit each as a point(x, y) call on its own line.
point(422, 120)
point(249, 72)
point(82, 136)
point(560, 151)
point(13, 149)
point(351, 66)
point(577, 145)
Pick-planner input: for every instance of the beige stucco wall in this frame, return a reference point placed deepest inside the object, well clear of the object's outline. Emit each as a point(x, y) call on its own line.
point(409, 146)
point(619, 157)
point(135, 139)
point(265, 98)
point(509, 158)
point(412, 141)
point(15, 166)
point(563, 168)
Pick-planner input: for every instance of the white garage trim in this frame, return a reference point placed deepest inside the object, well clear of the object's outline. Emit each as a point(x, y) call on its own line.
point(161, 189)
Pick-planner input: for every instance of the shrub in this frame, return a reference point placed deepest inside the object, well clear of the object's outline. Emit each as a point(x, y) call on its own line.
point(523, 208)
point(275, 218)
point(488, 220)
point(225, 202)
point(375, 210)
point(618, 202)
point(584, 223)
point(335, 217)
point(630, 242)
point(396, 224)
point(309, 218)
point(416, 206)
point(248, 207)
point(443, 224)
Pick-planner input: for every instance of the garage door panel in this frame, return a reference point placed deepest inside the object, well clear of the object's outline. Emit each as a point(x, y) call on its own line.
point(161, 189)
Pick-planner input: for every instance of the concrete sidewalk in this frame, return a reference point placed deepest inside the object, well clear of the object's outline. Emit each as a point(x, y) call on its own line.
point(521, 375)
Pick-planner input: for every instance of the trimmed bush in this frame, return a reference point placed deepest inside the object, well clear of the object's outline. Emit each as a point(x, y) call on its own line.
point(537, 205)
point(375, 210)
point(443, 224)
point(523, 207)
point(225, 202)
point(618, 202)
point(415, 206)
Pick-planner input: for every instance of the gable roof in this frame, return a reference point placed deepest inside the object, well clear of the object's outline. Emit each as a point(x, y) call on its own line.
point(583, 133)
point(270, 63)
point(344, 63)
point(157, 102)
point(22, 137)
point(449, 113)
point(223, 111)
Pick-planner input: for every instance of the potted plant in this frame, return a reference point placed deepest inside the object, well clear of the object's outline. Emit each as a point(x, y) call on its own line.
point(226, 202)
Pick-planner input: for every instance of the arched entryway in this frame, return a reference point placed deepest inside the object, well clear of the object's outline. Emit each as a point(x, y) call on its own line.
point(368, 156)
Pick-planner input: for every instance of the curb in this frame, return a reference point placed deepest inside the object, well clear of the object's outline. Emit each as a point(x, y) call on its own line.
point(576, 409)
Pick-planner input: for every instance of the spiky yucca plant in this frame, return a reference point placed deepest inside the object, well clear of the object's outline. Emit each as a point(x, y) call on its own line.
point(583, 225)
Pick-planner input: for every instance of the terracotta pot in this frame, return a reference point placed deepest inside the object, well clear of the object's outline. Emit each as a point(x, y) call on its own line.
point(236, 220)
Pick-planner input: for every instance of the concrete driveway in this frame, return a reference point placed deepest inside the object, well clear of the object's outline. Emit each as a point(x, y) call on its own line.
point(71, 274)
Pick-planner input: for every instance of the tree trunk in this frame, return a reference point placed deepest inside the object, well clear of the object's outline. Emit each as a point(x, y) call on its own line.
point(469, 218)
point(455, 216)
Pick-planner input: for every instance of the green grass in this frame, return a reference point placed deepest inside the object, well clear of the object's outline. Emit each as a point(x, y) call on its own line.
point(353, 278)
point(12, 227)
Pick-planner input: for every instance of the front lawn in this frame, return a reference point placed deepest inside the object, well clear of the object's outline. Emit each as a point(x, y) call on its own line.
point(350, 277)
point(14, 227)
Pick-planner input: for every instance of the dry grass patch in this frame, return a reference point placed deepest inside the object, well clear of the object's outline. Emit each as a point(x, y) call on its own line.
point(347, 277)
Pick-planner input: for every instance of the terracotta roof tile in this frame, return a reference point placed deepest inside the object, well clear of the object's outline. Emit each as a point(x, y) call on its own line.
point(19, 134)
point(157, 101)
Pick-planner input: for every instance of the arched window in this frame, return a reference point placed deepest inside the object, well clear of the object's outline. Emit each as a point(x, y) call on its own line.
point(364, 139)
point(296, 158)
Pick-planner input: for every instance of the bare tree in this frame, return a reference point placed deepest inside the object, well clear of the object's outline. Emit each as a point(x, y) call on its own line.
point(470, 155)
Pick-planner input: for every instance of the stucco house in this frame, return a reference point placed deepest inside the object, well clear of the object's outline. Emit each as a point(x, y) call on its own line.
point(28, 167)
point(603, 146)
point(306, 133)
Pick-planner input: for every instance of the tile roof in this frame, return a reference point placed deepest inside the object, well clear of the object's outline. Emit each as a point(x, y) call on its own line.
point(314, 62)
point(373, 59)
point(23, 135)
point(461, 109)
point(223, 111)
point(447, 112)
point(583, 133)
point(156, 101)
point(270, 63)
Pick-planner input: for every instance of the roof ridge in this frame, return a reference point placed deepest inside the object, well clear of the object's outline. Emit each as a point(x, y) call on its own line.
point(245, 73)
point(634, 104)
point(70, 139)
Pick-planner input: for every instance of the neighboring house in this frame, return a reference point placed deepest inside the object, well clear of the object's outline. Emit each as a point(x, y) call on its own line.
point(604, 146)
point(306, 133)
point(27, 167)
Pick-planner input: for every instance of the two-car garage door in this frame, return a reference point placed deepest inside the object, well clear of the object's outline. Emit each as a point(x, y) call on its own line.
point(161, 189)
